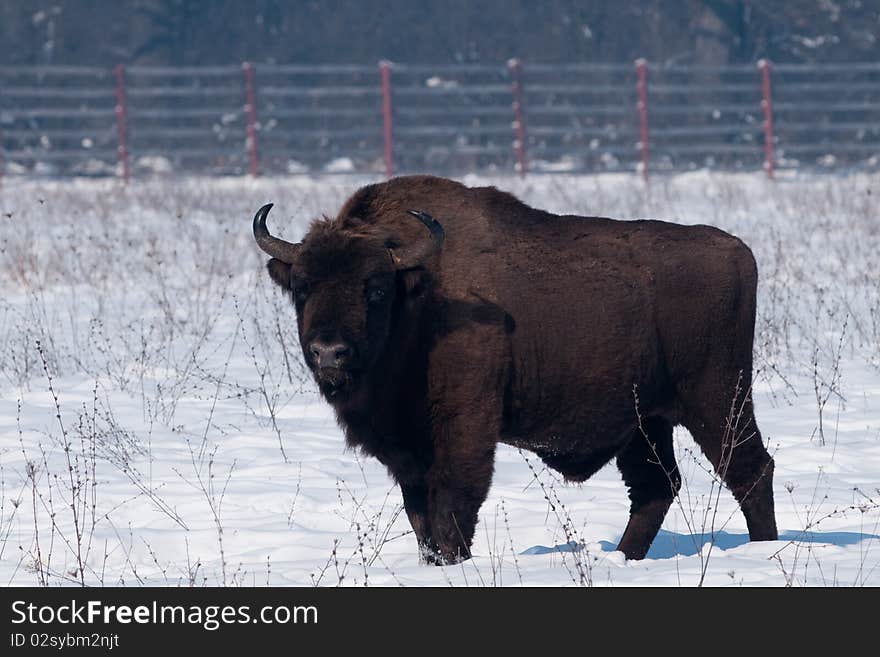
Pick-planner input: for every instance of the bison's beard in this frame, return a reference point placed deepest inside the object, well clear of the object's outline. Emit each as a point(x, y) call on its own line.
point(335, 384)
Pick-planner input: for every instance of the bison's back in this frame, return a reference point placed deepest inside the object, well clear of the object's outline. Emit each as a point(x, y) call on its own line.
point(590, 303)
point(654, 301)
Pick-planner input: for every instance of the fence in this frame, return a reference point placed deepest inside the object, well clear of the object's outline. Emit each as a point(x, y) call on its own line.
point(270, 119)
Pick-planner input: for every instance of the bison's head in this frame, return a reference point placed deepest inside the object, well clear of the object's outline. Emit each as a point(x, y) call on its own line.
point(347, 282)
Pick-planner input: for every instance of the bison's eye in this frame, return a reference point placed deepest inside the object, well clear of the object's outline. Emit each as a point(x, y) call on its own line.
point(300, 290)
point(375, 295)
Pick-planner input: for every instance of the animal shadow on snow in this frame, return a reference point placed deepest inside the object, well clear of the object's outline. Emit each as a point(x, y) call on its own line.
point(670, 544)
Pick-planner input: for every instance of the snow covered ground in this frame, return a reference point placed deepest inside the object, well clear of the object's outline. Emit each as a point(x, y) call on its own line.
point(157, 426)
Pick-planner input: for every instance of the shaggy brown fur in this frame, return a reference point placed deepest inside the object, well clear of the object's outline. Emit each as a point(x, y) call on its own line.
point(580, 339)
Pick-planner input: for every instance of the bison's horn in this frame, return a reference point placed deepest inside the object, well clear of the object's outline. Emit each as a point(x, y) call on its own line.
point(277, 248)
point(415, 255)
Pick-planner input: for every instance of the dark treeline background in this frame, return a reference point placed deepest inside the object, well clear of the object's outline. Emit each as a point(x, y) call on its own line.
point(187, 32)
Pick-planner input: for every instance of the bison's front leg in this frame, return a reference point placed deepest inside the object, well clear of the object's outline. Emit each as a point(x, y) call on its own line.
point(458, 483)
point(465, 398)
point(415, 501)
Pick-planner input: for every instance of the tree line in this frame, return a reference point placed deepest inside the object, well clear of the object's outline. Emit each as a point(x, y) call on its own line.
point(194, 32)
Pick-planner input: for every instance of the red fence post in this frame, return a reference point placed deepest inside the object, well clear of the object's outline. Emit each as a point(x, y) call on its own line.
point(767, 107)
point(519, 124)
point(387, 118)
point(122, 122)
point(251, 109)
point(642, 105)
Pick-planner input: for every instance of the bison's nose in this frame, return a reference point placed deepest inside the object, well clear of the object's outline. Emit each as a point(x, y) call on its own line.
point(329, 355)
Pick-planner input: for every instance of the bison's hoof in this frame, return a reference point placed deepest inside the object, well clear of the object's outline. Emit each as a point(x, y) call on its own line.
point(432, 557)
point(429, 556)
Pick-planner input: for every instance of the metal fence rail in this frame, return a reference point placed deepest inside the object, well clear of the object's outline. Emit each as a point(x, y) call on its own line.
point(184, 119)
point(320, 119)
point(58, 119)
point(512, 116)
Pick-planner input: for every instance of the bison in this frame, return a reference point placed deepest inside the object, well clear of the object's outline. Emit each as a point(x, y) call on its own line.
point(439, 320)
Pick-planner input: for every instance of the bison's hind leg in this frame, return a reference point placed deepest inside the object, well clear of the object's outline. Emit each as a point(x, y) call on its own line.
point(649, 470)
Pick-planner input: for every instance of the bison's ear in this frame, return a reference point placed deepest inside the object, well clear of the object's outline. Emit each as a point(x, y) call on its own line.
point(279, 272)
point(414, 255)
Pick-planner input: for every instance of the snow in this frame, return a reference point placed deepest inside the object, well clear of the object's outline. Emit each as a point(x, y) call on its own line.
point(154, 164)
point(340, 165)
point(195, 449)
